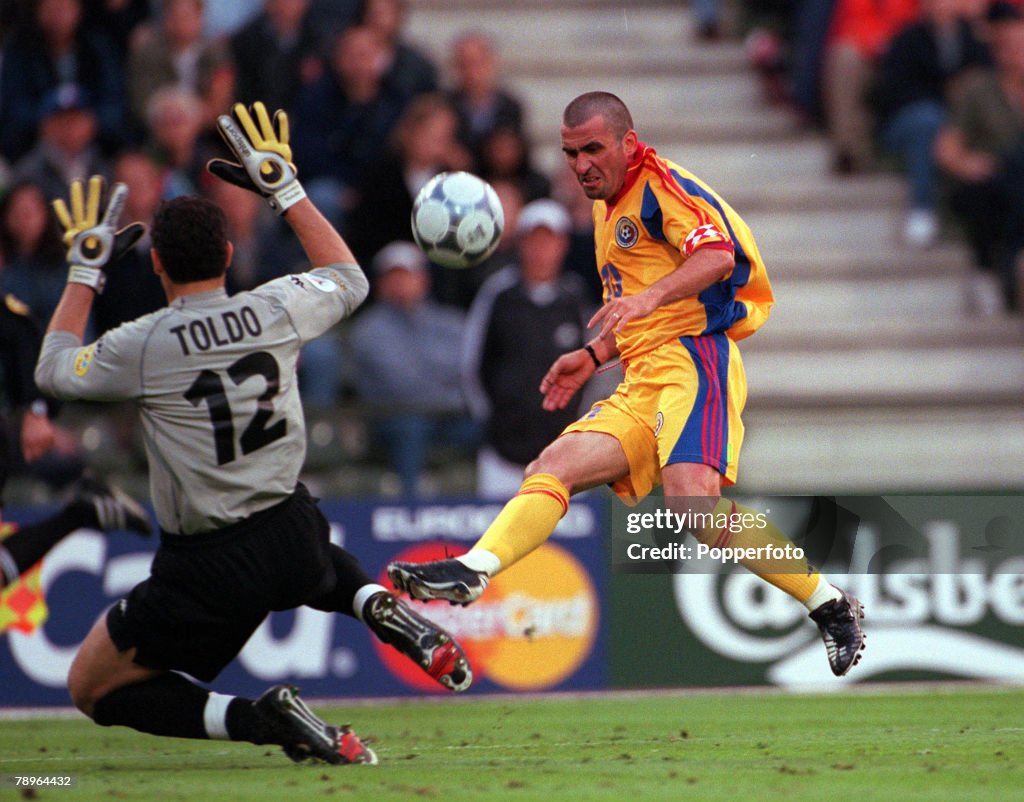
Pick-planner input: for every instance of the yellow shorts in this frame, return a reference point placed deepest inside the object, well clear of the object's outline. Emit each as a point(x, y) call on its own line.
point(680, 402)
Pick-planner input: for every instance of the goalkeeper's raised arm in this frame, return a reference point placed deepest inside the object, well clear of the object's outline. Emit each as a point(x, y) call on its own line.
point(263, 164)
point(191, 254)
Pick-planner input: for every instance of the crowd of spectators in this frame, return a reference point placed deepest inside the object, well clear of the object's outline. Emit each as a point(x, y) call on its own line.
point(131, 89)
point(896, 84)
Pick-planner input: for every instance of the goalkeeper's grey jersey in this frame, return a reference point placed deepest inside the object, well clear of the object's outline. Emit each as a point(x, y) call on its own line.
point(214, 377)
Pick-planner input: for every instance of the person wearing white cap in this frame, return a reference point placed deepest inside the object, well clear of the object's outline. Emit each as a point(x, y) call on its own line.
point(406, 360)
point(522, 318)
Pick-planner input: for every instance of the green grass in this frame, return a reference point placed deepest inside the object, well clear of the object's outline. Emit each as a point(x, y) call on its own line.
point(942, 744)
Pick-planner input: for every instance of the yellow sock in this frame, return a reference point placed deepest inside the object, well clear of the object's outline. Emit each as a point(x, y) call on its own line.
point(793, 575)
point(527, 520)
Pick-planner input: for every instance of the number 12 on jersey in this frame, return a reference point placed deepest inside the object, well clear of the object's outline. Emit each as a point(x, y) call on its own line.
point(208, 388)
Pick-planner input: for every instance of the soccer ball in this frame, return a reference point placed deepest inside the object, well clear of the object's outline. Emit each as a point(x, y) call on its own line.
point(457, 219)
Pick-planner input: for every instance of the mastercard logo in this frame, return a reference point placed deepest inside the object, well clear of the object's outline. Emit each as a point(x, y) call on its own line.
point(531, 629)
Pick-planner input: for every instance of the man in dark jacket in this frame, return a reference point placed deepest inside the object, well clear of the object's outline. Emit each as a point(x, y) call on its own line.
point(523, 317)
point(914, 80)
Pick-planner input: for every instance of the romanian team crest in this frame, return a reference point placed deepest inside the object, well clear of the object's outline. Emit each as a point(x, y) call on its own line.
point(626, 233)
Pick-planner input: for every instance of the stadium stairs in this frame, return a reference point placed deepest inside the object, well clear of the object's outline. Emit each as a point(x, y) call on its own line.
point(871, 376)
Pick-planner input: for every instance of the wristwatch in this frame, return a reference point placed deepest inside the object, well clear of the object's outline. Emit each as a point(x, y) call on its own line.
point(39, 407)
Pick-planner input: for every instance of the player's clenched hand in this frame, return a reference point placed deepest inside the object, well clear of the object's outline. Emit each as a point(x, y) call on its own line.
point(94, 243)
point(264, 156)
point(565, 378)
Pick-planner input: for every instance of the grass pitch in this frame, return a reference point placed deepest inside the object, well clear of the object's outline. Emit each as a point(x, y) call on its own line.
point(928, 744)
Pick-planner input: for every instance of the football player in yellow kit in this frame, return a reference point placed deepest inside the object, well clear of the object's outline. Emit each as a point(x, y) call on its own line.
point(683, 281)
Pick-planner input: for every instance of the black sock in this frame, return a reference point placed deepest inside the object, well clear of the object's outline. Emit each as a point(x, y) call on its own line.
point(167, 704)
point(351, 577)
point(245, 724)
point(30, 543)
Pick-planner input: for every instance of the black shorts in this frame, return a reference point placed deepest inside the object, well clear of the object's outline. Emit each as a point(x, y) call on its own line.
point(208, 593)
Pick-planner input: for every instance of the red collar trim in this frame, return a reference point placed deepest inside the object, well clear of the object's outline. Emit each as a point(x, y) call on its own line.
point(632, 174)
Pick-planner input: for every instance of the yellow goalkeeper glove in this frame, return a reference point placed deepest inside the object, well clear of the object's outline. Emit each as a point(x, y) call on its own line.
point(93, 243)
point(264, 156)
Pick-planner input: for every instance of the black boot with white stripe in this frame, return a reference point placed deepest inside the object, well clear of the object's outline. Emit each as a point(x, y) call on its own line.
point(115, 509)
point(303, 736)
point(429, 646)
point(839, 624)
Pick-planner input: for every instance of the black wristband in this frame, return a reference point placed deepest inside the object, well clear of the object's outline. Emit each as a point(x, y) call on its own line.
point(590, 350)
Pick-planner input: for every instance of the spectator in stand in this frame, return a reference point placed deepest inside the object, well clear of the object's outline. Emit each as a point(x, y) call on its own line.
point(277, 53)
point(805, 29)
point(860, 32)
point(768, 27)
point(118, 19)
point(459, 287)
point(423, 144)
point(981, 150)
point(407, 70)
point(505, 155)
point(224, 18)
point(581, 260)
point(252, 228)
point(915, 78)
point(332, 16)
point(407, 365)
point(482, 103)
point(173, 52)
point(175, 138)
point(708, 18)
point(67, 145)
point(523, 318)
point(31, 250)
point(52, 51)
point(343, 121)
point(132, 288)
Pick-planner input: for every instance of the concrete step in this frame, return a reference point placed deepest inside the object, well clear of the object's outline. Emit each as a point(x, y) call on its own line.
point(786, 173)
point(827, 232)
point(644, 52)
point(947, 259)
point(802, 334)
point(815, 191)
point(575, 31)
point(897, 375)
point(812, 304)
point(675, 137)
point(883, 450)
point(665, 101)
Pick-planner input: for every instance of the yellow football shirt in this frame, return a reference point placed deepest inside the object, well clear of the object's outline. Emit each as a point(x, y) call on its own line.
point(661, 217)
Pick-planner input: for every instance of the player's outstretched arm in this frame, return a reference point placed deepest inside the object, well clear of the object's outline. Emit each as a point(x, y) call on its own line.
point(92, 245)
point(264, 165)
point(64, 369)
point(571, 371)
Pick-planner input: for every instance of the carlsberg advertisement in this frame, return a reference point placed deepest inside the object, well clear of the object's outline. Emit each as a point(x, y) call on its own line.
point(941, 579)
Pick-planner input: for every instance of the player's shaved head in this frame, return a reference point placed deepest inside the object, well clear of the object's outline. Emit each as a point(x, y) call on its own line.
point(616, 116)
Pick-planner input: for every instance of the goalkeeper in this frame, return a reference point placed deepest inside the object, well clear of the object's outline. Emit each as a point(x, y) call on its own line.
point(214, 379)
